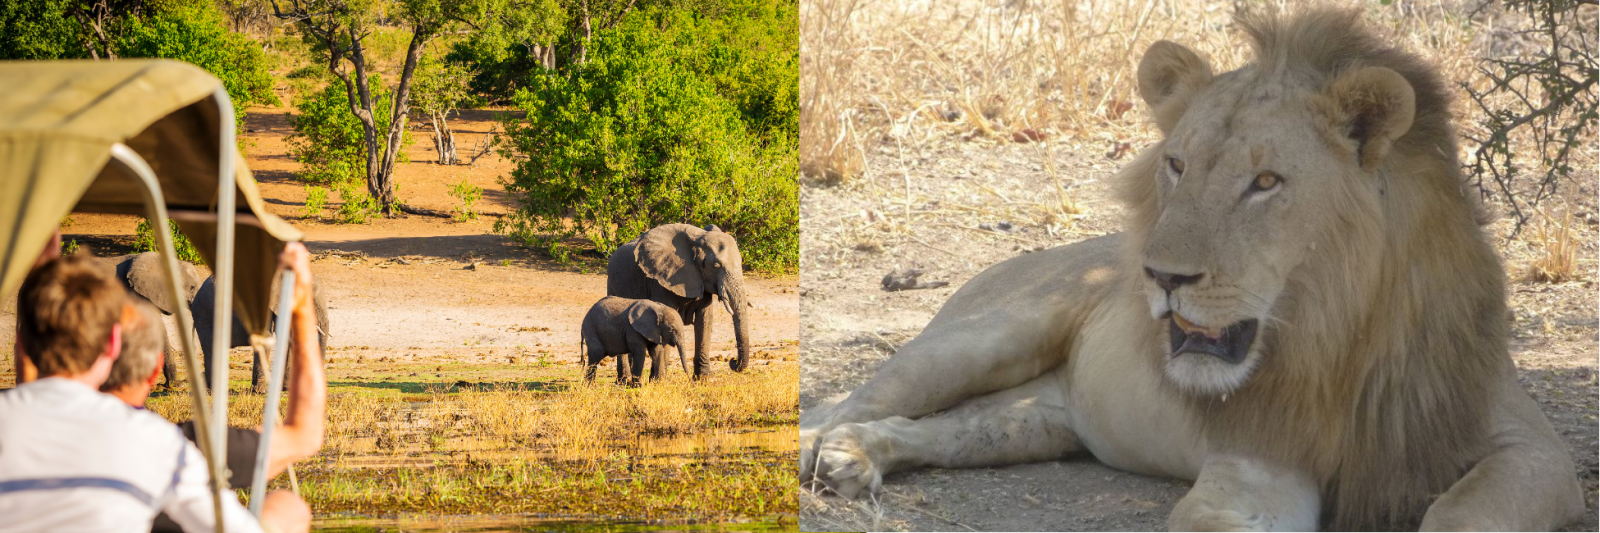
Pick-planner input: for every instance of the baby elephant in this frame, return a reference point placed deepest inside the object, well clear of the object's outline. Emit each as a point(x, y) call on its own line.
point(630, 330)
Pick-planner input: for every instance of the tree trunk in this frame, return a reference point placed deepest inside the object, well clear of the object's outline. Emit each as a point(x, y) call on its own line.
point(588, 31)
point(444, 140)
point(398, 112)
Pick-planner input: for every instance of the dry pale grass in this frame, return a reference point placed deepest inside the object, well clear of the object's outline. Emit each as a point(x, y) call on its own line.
point(894, 75)
point(906, 71)
point(581, 423)
point(244, 409)
point(1556, 258)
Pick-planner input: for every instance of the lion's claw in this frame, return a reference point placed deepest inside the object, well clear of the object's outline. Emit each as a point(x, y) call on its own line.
point(844, 463)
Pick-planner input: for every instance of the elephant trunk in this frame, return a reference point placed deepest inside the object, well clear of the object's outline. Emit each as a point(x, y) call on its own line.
point(683, 360)
point(733, 295)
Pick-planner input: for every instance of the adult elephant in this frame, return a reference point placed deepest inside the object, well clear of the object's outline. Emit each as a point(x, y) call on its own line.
point(141, 275)
point(684, 267)
point(203, 307)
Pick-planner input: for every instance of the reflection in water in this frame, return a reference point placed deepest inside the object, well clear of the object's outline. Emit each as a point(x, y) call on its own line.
point(502, 523)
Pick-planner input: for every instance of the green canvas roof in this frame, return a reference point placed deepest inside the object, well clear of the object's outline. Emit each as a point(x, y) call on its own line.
point(58, 123)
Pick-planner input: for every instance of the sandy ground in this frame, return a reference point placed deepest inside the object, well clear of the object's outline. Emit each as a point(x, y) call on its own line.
point(926, 207)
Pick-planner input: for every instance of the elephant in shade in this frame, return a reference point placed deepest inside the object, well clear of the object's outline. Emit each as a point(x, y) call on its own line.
point(631, 329)
point(684, 267)
point(203, 308)
point(141, 274)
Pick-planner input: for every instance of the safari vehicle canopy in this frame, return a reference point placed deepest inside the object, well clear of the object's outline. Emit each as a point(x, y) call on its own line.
point(141, 137)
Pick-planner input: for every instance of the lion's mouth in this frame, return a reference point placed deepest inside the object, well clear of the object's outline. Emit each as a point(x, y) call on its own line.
point(1231, 344)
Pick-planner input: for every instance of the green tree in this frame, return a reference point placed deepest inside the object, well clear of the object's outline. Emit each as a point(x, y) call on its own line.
point(186, 30)
point(195, 32)
point(38, 29)
point(338, 30)
point(329, 141)
point(510, 39)
point(441, 87)
point(637, 136)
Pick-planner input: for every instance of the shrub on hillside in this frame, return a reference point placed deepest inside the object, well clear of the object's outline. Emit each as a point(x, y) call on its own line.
point(640, 135)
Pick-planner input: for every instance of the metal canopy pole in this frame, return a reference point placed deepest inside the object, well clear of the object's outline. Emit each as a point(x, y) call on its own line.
point(269, 415)
point(156, 210)
point(222, 328)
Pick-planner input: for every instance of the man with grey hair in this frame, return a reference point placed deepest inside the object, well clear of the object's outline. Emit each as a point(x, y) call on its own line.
point(300, 436)
point(141, 354)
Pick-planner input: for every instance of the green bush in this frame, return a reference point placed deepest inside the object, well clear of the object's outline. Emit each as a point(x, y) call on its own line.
point(328, 139)
point(314, 72)
point(636, 138)
point(186, 30)
point(468, 194)
point(499, 68)
point(316, 198)
point(358, 206)
point(145, 241)
point(750, 53)
point(38, 29)
point(195, 32)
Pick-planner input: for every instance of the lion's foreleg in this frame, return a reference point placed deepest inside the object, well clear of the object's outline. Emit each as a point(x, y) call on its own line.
point(1240, 494)
point(1526, 484)
point(1024, 424)
point(947, 364)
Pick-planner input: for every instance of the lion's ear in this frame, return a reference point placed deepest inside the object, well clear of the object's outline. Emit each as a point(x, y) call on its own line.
point(1169, 74)
point(1372, 107)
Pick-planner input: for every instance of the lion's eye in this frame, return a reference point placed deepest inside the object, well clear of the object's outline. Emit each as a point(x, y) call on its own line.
point(1265, 181)
point(1176, 165)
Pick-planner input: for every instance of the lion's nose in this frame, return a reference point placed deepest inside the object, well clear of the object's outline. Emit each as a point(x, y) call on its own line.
point(1169, 281)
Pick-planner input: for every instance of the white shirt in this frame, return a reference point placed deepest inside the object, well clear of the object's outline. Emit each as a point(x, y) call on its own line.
point(73, 459)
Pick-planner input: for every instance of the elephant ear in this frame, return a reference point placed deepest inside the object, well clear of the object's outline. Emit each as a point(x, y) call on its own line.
point(644, 320)
point(666, 255)
point(146, 279)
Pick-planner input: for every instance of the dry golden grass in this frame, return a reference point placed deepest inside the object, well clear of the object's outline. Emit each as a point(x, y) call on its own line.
point(1555, 260)
point(906, 70)
point(885, 84)
point(575, 423)
point(244, 409)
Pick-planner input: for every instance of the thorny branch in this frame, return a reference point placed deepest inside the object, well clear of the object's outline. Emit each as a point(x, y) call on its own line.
point(1564, 79)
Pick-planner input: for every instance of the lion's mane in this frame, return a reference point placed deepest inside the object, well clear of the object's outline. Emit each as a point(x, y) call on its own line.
point(1376, 374)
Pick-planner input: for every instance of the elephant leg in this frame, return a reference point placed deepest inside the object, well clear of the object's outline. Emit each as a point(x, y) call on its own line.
point(638, 348)
point(702, 341)
point(205, 364)
point(258, 372)
point(656, 353)
point(170, 356)
point(261, 364)
point(591, 362)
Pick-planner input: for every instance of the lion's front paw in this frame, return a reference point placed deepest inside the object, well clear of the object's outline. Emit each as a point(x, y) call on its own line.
point(845, 464)
point(810, 442)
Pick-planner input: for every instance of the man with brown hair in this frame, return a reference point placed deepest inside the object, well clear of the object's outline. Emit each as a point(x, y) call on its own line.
point(72, 458)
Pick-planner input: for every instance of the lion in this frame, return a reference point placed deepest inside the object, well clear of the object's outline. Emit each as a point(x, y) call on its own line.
point(1303, 316)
